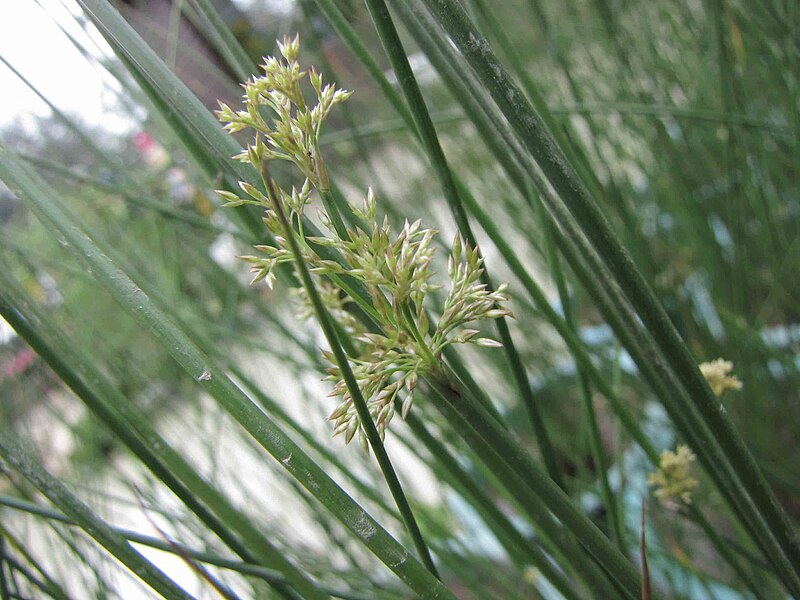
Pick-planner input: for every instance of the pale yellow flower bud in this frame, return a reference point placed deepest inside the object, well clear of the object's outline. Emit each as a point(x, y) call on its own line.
point(717, 373)
point(672, 479)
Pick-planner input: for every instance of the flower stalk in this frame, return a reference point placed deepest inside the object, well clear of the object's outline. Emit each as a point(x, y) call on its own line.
point(396, 271)
point(329, 331)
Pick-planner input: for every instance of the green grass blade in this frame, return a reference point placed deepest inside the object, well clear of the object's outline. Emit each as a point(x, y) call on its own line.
point(47, 584)
point(13, 453)
point(132, 428)
point(214, 380)
point(783, 544)
point(523, 550)
point(430, 143)
point(274, 410)
point(249, 569)
point(364, 56)
point(223, 40)
point(538, 495)
point(595, 441)
point(198, 130)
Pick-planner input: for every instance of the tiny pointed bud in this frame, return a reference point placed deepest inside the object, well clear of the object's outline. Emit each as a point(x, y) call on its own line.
point(339, 411)
point(260, 274)
point(227, 196)
point(456, 247)
point(406, 406)
point(487, 343)
point(234, 203)
point(350, 432)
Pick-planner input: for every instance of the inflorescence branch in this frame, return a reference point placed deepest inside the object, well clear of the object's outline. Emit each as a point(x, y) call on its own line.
point(395, 270)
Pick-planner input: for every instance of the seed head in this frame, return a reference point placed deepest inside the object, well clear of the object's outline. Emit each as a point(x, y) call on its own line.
point(717, 374)
point(395, 270)
point(672, 479)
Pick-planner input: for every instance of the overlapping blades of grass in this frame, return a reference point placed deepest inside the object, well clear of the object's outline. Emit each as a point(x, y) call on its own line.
point(760, 511)
point(140, 58)
point(13, 452)
point(131, 426)
point(134, 299)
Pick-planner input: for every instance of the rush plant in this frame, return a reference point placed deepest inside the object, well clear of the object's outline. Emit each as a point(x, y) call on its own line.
point(393, 273)
point(627, 168)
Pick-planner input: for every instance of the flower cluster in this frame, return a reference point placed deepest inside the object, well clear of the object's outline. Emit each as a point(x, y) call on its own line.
point(387, 277)
point(717, 373)
point(335, 301)
point(672, 479)
point(294, 134)
point(397, 272)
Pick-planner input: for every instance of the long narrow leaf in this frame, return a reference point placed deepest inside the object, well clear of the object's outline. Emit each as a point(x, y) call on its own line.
point(133, 299)
point(14, 454)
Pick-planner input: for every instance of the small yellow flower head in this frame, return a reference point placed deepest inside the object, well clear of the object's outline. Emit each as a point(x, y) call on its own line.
point(672, 479)
point(717, 373)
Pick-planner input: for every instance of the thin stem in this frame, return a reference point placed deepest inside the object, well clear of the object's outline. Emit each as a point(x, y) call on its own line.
point(333, 213)
point(367, 424)
point(538, 495)
point(13, 453)
point(772, 525)
point(595, 441)
point(245, 568)
point(131, 427)
point(521, 549)
point(412, 326)
point(430, 142)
